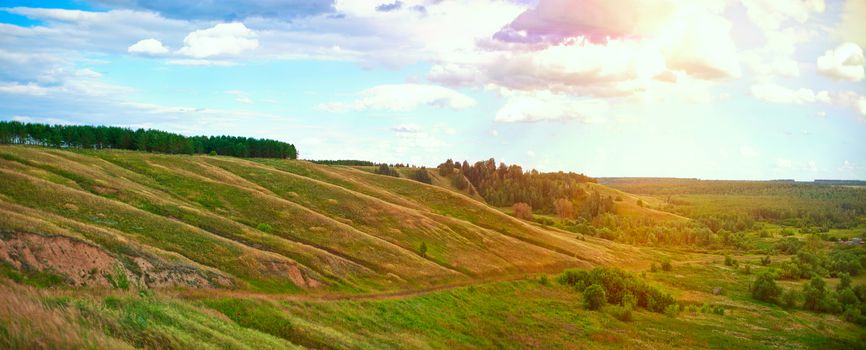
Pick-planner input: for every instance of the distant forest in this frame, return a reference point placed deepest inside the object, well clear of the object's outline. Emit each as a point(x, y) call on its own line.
point(504, 185)
point(97, 137)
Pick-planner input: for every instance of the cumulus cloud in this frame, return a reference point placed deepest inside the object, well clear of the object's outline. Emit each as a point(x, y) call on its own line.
point(148, 47)
point(851, 28)
point(555, 21)
point(406, 128)
point(779, 94)
point(221, 39)
point(403, 98)
point(23, 89)
point(691, 36)
point(845, 62)
point(546, 106)
point(771, 14)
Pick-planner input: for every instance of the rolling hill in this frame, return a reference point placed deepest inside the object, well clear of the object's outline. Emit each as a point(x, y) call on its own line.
point(262, 225)
point(123, 249)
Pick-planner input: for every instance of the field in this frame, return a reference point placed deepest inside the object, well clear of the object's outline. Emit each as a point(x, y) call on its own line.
point(124, 249)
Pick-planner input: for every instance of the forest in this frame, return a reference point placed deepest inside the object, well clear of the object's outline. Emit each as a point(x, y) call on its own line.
point(505, 185)
point(149, 140)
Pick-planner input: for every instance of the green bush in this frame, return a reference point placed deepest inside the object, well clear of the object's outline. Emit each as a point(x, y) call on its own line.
point(844, 281)
point(764, 287)
point(264, 228)
point(847, 298)
point(666, 265)
point(617, 284)
point(672, 310)
point(814, 294)
point(765, 261)
point(594, 297)
point(790, 298)
point(622, 313)
point(423, 249)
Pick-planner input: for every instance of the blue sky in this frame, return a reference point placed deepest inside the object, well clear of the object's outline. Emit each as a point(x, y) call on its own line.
point(717, 89)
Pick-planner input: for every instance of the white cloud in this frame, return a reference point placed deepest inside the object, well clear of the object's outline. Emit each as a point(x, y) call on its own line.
point(148, 47)
point(771, 14)
point(240, 96)
point(197, 62)
point(23, 89)
point(221, 39)
point(851, 28)
point(406, 128)
point(779, 94)
point(403, 98)
point(546, 106)
point(494, 133)
point(845, 62)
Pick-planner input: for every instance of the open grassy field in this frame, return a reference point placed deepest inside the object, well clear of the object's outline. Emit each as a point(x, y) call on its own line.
point(122, 249)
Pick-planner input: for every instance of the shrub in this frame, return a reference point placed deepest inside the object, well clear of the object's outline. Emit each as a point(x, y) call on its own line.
point(764, 287)
point(747, 269)
point(853, 314)
point(790, 245)
point(672, 310)
point(594, 297)
point(543, 280)
point(765, 261)
point(847, 297)
point(666, 265)
point(522, 211)
point(715, 309)
point(617, 284)
point(790, 298)
point(629, 300)
point(844, 281)
point(264, 228)
point(213, 153)
point(422, 176)
point(860, 291)
point(729, 261)
point(814, 294)
point(622, 313)
point(654, 267)
point(423, 249)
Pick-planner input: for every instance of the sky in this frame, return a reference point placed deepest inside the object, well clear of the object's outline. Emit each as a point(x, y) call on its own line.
point(713, 89)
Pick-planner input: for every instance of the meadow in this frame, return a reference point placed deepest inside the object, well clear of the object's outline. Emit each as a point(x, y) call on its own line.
point(126, 249)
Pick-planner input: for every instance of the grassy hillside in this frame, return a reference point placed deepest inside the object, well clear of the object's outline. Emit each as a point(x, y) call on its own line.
point(273, 225)
point(122, 249)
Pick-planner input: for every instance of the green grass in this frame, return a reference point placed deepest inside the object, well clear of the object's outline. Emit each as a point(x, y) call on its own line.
point(355, 232)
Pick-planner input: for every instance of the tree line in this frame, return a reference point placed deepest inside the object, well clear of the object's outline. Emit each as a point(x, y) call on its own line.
point(504, 185)
point(149, 140)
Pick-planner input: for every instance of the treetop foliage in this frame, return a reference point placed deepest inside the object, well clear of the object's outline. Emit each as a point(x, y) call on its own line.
point(504, 185)
point(149, 140)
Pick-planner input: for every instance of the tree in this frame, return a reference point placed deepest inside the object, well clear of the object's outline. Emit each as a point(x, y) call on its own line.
point(844, 281)
point(86, 136)
point(790, 298)
point(814, 293)
point(422, 176)
point(594, 297)
point(764, 287)
point(522, 211)
point(564, 208)
point(423, 249)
